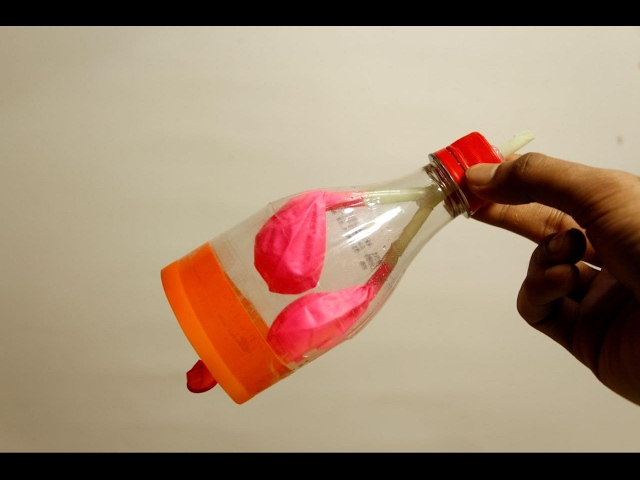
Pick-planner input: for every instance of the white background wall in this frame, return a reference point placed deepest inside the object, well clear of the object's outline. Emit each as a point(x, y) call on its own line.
point(121, 149)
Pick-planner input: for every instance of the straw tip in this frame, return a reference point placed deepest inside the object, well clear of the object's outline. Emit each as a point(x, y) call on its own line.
point(515, 143)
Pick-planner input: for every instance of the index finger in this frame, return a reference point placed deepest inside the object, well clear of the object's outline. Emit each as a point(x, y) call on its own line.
point(532, 220)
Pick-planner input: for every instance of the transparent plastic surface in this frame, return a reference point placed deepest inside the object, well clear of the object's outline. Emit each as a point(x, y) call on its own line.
point(367, 237)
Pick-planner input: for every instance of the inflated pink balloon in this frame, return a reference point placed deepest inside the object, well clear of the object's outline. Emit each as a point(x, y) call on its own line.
point(317, 320)
point(290, 247)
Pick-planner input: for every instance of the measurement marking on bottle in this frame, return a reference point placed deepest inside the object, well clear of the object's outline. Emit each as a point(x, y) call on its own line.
point(373, 259)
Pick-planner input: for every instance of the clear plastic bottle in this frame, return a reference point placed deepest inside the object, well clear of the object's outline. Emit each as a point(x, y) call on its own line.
point(309, 271)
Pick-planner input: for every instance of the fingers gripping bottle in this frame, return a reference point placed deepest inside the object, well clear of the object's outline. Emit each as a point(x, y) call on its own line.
point(309, 271)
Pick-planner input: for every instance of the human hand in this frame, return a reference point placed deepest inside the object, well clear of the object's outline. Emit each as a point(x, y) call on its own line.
point(582, 287)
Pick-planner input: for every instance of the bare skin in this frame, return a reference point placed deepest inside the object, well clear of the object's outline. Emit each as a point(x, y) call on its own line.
point(582, 287)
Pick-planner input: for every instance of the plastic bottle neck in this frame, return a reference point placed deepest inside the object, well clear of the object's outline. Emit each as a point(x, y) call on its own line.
point(454, 200)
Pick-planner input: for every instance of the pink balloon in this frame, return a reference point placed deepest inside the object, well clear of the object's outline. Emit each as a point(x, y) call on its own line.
point(318, 321)
point(290, 247)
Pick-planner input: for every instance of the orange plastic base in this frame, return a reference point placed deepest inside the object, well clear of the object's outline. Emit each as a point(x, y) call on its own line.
point(215, 319)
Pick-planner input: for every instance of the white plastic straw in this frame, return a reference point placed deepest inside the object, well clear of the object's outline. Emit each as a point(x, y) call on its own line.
point(515, 143)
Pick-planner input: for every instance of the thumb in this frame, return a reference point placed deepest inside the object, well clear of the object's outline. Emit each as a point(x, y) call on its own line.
point(581, 191)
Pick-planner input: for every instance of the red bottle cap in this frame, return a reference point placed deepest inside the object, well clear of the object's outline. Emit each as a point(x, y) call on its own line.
point(464, 153)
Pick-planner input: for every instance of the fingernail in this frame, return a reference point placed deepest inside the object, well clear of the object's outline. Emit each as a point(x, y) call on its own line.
point(555, 245)
point(482, 173)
